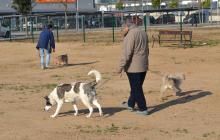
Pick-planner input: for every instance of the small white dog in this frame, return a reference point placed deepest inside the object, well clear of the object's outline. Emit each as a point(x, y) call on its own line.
point(171, 81)
point(86, 92)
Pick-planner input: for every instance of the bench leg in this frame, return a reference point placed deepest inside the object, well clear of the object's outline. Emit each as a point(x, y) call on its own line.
point(191, 41)
point(159, 42)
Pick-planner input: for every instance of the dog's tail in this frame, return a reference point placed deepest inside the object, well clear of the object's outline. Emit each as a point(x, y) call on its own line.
point(177, 78)
point(97, 74)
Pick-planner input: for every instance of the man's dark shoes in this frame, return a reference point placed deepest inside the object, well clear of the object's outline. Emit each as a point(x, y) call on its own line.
point(145, 112)
point(125, 105)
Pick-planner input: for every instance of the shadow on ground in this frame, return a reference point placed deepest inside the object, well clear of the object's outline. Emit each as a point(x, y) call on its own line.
point(188, 92)
point(76, 64)
point(81, 64)
point(185, 98)
point(107, 111)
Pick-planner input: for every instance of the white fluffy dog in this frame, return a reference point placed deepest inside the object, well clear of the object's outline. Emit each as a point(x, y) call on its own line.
point(171, 81)
point(86, 92)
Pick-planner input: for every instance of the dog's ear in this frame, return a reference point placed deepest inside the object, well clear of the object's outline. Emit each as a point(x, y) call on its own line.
point(46, 98)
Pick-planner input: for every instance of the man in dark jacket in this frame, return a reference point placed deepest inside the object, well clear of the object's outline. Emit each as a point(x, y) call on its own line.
point(194, 19)
point(46, 43)
point(134, 62)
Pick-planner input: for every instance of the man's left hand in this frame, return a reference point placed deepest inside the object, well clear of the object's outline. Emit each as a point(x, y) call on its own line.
point(119, 71)
point(38, 53)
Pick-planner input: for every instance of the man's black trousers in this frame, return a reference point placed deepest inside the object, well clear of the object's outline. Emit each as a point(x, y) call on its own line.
point(136, 81)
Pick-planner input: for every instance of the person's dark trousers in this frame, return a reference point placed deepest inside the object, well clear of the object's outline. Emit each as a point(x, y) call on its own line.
point(136, 81)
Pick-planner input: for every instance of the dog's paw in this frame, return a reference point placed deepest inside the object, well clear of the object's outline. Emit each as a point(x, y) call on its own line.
point(75, 114)
point(53, 116)
point(88, 116)
point(101, 114)
point(162, 99)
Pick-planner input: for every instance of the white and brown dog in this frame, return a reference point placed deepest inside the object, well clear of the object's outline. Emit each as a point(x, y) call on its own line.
point(62, 60)
point(86, 92)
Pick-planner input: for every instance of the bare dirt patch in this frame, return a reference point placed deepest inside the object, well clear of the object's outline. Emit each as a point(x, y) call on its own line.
point(194, 115)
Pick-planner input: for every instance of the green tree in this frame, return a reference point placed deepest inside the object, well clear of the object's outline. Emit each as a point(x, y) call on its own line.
point(119, 5)
point(174, 4)
point(206, 4)
point(156, 3)
point(23, 7)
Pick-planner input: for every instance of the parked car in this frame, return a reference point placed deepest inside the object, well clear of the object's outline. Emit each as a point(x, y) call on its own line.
point(139, 20)
point(152, 20)
point(4, 30)
point(165, 19)
point(179, 13)
point(108, 21)
point(39, 25)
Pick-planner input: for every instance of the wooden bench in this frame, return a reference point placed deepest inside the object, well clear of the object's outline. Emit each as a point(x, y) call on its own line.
point(176, 37)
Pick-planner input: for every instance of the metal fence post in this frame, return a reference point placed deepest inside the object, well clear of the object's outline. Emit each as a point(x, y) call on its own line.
point(181, 31)
point(103, 23)
point(10, 29)
point(32, 30)
point(57, 30)
point(83, 27)
point(145, 23)
point(113, 28)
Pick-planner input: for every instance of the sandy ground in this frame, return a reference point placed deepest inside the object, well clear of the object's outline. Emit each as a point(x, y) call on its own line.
point(195, 115)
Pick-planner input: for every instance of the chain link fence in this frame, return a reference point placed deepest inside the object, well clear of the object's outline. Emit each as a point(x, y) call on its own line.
point(104, 28)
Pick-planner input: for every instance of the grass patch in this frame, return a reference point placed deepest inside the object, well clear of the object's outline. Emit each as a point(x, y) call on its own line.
point(210, 43)
point(112, 129)
point(208, 134)
point(185, 131)
point(14, 87)
point(56, 76)
point(27, 88)
point(126, 128)
point(48, 86)
point(78, 126)
point(2, 113)
point(163, 131)
point(38, 88)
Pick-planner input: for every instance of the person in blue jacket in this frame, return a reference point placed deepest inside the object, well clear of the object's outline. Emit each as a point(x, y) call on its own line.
point(46, 45)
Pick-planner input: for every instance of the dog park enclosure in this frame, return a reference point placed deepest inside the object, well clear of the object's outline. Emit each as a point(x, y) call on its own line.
point(194, 115)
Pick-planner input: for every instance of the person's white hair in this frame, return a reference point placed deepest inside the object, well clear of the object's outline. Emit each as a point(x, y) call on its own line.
point(129, 23)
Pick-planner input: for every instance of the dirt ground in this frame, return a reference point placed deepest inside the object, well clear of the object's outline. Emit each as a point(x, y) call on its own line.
point(195, 115)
